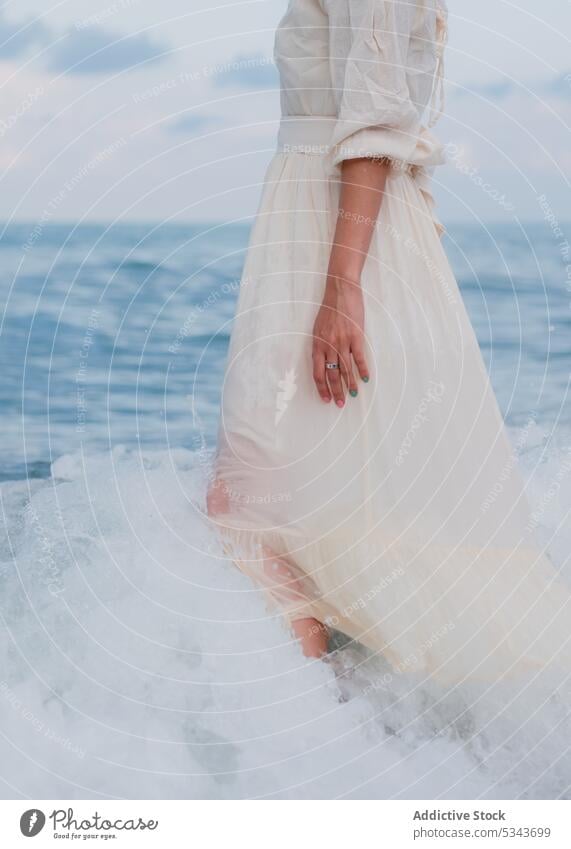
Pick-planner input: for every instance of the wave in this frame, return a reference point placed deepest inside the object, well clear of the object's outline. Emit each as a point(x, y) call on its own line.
point(139, 663)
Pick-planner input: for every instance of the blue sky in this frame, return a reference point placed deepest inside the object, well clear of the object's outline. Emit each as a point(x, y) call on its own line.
point(138, 110)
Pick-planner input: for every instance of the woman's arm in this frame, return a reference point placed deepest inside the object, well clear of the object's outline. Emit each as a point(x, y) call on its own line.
point(338, 333)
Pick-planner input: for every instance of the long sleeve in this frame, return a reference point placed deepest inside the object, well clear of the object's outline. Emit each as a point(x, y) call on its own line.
point(384, 57)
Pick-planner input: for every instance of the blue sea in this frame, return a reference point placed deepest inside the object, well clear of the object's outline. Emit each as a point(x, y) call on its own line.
point(117, 334)
point(136, 661)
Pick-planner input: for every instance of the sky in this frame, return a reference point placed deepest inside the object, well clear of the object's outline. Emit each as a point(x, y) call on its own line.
point(138, 110)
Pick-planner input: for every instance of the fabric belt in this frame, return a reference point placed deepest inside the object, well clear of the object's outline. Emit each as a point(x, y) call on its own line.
point(309, 134)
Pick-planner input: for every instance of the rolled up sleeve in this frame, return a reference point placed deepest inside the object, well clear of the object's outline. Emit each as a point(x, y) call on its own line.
point(369, 43)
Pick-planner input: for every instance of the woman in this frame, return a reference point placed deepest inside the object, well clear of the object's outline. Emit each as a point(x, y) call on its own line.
point(363, 476)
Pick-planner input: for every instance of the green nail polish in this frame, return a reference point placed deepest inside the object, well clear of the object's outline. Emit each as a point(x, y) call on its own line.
point(365, 380)
point(353, 393)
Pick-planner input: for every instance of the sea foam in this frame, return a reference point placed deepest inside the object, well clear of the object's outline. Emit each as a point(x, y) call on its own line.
point(137, 662)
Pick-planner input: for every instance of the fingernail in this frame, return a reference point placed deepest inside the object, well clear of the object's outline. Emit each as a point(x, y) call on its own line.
point(353, 393)
point(340, 403)
point(327, 400)
point(365, 380)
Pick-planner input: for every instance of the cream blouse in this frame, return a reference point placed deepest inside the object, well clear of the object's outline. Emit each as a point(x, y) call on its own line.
point(375, 66)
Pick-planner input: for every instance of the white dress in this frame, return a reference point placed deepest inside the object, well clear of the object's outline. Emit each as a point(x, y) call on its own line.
point(401, 519)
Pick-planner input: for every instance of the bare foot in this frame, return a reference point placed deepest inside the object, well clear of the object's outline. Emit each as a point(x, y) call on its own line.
point(313, 635)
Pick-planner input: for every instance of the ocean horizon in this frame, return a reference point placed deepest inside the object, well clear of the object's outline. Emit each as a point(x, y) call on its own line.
point(117, 334)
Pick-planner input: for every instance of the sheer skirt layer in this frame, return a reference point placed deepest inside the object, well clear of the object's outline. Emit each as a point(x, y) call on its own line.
point(401, 519)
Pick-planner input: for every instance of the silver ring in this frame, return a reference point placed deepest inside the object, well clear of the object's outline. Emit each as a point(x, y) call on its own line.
point(331, 365)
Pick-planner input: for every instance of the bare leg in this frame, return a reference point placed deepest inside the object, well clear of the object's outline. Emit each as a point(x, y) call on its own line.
point(277, 576)
point(313, 636)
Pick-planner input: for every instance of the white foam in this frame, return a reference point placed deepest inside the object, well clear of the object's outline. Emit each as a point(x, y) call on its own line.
point(137, 662)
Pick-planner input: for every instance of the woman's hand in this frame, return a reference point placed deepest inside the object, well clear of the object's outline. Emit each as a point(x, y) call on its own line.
point(338, 337)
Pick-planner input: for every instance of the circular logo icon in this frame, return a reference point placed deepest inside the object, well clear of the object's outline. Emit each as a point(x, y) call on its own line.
point(32, 822)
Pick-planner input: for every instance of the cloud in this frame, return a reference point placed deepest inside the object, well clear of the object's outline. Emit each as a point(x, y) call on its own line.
point(558, 87)
point(495, 90)
point(96, 50)
point(16, 39)
point(191, 123)
point(247, 72)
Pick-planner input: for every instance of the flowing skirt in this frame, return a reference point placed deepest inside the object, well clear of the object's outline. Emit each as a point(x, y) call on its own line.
point(401, 519)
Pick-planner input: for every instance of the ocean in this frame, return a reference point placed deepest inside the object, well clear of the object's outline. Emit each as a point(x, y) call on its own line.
point(136, 661)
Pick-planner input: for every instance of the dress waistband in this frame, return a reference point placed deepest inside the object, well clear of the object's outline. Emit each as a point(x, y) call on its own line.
point(310, 134)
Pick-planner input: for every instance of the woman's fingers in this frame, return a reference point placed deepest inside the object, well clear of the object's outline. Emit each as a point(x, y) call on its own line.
point(347, 373)
point(334, 377)
point(360, 359)
point(319, 373)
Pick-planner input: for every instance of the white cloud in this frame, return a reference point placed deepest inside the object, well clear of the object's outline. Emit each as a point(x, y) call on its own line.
point(94, 50)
